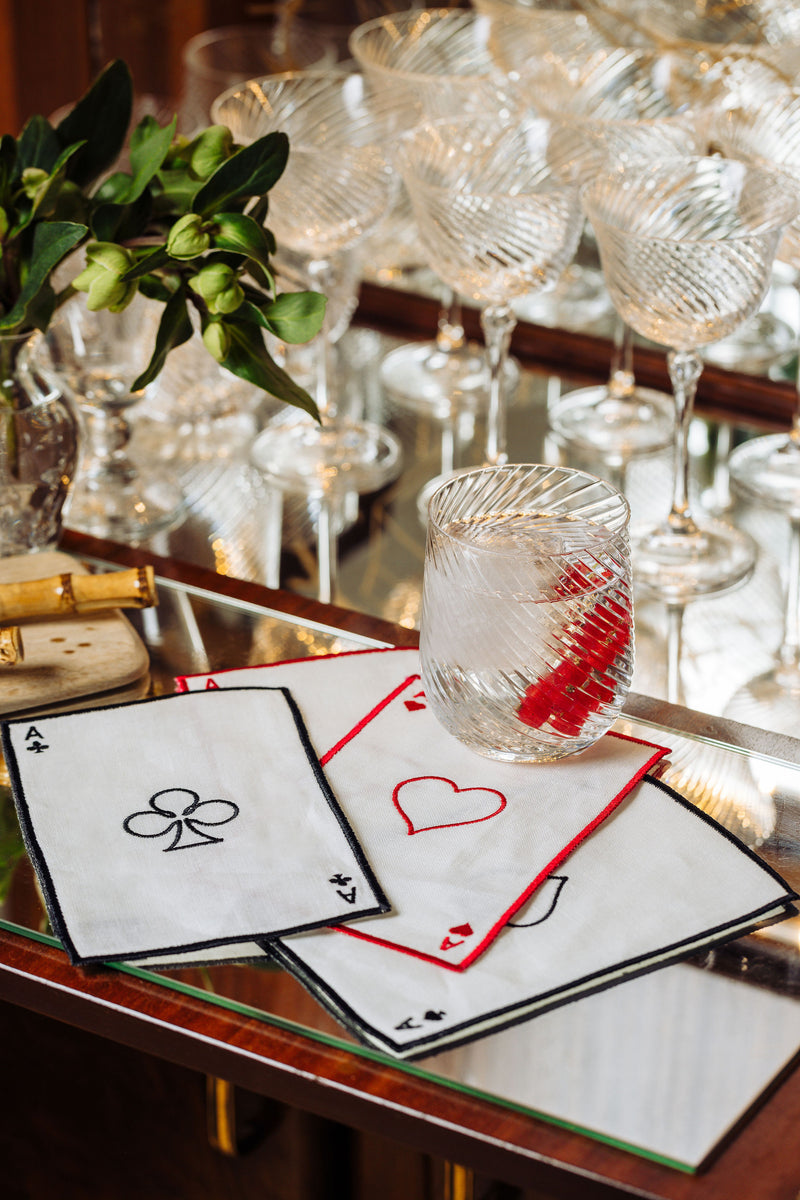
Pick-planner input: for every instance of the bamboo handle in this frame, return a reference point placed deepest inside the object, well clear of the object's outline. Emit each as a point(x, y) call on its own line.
point(11, 651)
point(63, 594)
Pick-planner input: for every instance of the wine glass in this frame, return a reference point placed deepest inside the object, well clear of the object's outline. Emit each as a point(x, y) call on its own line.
point(617, 107)
point(498, 220)
point(687, 248)
point(435, 63)
point(766, 469)
point(336, 187)
point(98, 355)
point(218, 59)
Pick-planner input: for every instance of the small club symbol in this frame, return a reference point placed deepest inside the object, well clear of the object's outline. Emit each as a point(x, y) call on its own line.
point(177, 811)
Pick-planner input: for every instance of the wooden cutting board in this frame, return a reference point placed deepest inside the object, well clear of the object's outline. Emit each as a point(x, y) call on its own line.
point(66, 657)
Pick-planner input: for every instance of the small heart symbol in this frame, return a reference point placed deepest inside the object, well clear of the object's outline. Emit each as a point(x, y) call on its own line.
point(433, 802)
point(413, 705)
point(462, 930)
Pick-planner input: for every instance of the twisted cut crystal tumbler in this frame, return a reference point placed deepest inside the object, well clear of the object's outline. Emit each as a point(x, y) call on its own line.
point(527, 623)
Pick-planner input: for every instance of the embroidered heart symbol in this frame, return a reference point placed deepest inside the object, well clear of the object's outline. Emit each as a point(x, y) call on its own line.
point(433, 802)
point(462, 930)
point(416, 703)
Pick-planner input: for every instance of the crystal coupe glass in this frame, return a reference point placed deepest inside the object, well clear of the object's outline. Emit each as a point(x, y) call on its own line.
point(687, 248)
point(498, 220)
point(336, 188)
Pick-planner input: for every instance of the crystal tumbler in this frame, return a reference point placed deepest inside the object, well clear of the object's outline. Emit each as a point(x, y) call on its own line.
point(526, 631)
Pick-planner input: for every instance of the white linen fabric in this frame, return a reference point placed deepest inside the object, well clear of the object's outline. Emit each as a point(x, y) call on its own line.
point(657, 881)
point(183, 822)
point(457, 840)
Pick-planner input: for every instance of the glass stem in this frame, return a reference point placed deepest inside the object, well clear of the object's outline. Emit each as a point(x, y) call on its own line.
point(320, 274)
point(450, 329)
point(790, 648)
point(498, 323)
point(674, 653)
point(327, 550)
point(621, 382)
point(685, 368)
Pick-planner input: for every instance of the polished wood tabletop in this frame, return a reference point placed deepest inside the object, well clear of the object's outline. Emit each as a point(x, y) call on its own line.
point(364, 1089)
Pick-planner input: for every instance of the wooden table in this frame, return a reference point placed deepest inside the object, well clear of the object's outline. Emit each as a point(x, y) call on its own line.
point(360, 1092)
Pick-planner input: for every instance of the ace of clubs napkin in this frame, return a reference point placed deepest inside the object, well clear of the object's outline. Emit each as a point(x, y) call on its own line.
point(183, 822)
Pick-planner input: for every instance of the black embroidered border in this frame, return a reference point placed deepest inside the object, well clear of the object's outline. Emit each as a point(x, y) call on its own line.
point(55, 913)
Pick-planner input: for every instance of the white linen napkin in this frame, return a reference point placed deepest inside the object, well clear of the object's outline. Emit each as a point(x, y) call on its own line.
point(183, 822)
point(457, 840)
point(656, 882)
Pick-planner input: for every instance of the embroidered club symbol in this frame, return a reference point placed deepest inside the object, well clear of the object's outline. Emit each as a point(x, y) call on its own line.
point(177, 811)
point(433, 802)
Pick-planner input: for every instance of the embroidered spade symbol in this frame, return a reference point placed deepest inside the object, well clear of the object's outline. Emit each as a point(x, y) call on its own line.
point(542, 903)
point(182, 813)
point(433, 802)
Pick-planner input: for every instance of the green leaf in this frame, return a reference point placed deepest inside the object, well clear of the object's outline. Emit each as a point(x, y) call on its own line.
point(156, 259)
point(241, 234)
point(155, 289)
point(46, 200)
point(295, 317)
point(175, 191)
point(122, 222)
point(174, 329)
point(42, 307)
point(8, 162)
point(149, 145)
point(51, 242)
point(250, 360)
point(38, 145)
point(251, 171)
point(100, 119)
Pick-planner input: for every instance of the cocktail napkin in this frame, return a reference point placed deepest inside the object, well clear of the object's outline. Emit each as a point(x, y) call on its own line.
point(186, 821)
point(458, 841)
point(335, 691)
point(656, 882)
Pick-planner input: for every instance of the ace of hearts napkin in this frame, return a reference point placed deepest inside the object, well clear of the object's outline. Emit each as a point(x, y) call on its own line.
point(656, 882)
point(457, 840)
point(183, 822)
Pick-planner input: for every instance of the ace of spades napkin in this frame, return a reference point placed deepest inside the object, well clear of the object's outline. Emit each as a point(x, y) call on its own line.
point(183, 822)
point(458, 841)
point(656, 882)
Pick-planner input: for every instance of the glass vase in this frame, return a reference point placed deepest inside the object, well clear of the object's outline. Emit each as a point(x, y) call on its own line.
point(38, 448)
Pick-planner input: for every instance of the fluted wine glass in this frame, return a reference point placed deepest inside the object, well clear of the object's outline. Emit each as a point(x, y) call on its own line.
point(687, 248)
point(624, 109)
point(765, 128)
point(336, 187)
point(498, 219)
point(435, 63)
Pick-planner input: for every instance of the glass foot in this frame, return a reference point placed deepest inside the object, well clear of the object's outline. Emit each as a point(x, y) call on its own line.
point(439, 383)
point(680, 567)
point(349, 456)
point(762, 342)
point(595, 419)
point(767, 469)
point(129, 510)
